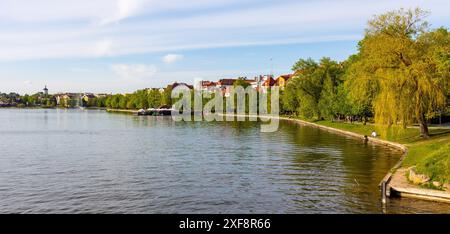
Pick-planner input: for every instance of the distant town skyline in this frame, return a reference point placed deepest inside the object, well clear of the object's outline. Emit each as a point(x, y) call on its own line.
point(135, 44)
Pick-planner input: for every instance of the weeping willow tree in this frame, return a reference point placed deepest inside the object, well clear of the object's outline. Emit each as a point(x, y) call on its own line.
point(409, 66)
point(361, 88)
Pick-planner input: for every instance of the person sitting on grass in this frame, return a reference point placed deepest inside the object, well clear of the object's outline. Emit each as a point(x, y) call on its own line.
point(374, 134)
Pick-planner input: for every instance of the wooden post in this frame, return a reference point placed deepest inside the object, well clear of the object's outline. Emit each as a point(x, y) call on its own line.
point(383, 192)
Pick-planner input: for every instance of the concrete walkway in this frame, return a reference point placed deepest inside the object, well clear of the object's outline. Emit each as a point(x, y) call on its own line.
point(400, 186)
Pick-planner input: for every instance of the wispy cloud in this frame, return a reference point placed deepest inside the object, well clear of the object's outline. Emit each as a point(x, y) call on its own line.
point(124, 9)
point(62, 29)
point(60, 39)
point(103, 48)
point(172, 58)
point(97, 12)
point(134, 72)
point(79, 69)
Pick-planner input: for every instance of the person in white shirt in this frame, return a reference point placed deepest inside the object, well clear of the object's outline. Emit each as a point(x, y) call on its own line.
point(374, 134)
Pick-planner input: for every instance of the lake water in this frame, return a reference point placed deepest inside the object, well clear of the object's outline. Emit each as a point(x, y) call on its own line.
point(90, 161)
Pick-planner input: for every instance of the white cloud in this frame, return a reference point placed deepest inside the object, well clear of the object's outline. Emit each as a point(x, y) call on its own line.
point(79, 69)
point(27, 82)
point(100, 12)
point(103, 48)
point(134, 72)
point(124, 9)
point(172, 58)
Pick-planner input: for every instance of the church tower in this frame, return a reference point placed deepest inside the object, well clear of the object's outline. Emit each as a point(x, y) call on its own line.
point(45, 91)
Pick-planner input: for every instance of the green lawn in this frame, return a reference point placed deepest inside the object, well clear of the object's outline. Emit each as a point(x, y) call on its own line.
point(394, 133)
point(430, 156)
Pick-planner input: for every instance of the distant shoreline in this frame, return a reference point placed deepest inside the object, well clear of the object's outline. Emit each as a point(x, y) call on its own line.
point(56, 107)
point(26, 107)
point(121, 111)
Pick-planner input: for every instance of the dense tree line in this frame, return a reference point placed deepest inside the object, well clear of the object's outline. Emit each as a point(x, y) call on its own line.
point(35, 100)
point(141, 99)
point(400, 75)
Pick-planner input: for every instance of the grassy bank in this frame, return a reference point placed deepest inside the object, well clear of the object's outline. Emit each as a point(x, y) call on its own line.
point(430, 156)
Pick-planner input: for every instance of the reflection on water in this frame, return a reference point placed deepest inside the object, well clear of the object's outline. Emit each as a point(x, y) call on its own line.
point(90, 161)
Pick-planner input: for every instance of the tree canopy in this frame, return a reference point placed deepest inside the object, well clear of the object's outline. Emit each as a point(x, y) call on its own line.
point(400, 75)
point(405, 62)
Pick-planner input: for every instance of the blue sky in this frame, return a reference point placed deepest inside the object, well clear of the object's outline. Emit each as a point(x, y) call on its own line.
point(122, 45)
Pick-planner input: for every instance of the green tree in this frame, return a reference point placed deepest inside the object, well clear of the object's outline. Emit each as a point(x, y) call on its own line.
point(166, 97)
point(140, 99)
point(407, 63)
point(108, 102)
point(312, 92)
point(130, 104)
point(241, 81)
point(101, 102)
point(359, 88)
point(330, 102)
point(302, 93)
point(154, 98)
point(115, 100)
point(123, 101)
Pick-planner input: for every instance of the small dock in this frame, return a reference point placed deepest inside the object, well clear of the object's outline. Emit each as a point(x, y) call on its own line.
point(399, 186)
point(154, 112)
